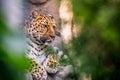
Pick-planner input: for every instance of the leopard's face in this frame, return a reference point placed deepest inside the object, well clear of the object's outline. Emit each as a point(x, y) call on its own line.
point(40, 28)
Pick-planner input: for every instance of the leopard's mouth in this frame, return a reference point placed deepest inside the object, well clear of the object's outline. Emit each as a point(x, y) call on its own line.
point(52, 37)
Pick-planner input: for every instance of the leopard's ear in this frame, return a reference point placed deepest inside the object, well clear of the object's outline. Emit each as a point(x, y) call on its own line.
point(34, 13)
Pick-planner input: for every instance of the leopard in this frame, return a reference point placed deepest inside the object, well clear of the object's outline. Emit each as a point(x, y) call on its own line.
point(40, 31)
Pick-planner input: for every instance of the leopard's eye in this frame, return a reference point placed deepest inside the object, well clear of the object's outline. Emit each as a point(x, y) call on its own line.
point(54, 27)
point(46, 26)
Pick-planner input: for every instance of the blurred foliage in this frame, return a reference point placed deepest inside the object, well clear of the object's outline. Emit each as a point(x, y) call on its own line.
point(96, 49)
point(12, 60)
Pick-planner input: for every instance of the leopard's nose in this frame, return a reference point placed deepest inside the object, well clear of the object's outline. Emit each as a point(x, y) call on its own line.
point(43, 39)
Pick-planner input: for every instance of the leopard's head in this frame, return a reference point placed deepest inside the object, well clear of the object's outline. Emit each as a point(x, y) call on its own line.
point(41, 28)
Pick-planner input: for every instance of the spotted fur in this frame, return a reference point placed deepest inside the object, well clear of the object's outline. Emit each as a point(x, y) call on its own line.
point(41, 32)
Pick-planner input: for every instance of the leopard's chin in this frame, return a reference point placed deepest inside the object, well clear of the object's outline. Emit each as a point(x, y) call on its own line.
point(48, 41)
